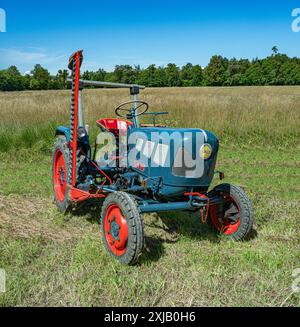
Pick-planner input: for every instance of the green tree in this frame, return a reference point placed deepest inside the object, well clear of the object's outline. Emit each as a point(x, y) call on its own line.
point(186, 74)
point(275, 50)
point(197, 76)
point(60, 80)
point(41, 78)
point(215, 73)
point(173, 75)
point(99, 75)
point(277, 69)
point(125, 74)
point(235, 74)
point(11, 80)
point(160, 77)
point(148, 76)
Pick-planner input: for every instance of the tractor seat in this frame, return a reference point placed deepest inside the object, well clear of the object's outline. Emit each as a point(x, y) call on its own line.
point(114, 125)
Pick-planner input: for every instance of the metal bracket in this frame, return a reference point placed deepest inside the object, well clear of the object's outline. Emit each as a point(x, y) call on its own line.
point(134, 90)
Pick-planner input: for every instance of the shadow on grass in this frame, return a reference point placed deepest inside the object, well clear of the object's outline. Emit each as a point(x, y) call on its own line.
point(161, 229)
point(252, 235)
point(89, 210)
point(169, 227)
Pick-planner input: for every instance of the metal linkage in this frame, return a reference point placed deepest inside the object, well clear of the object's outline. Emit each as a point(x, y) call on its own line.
point(110, 84)
point(134, 91)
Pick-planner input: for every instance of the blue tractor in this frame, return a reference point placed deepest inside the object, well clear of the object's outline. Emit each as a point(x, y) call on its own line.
point(141, 168)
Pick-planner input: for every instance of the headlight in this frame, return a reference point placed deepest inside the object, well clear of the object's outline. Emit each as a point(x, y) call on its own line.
point(205, 151)
point(81, 132)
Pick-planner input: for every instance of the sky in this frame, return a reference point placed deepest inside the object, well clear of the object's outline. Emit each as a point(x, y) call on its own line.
point(143, 32)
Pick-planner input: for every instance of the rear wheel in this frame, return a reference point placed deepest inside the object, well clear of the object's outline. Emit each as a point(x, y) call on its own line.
point(235, 217)
point(60, 181)
point(122, 227)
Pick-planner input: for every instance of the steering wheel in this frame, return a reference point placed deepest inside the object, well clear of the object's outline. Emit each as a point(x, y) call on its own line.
point(122, 107)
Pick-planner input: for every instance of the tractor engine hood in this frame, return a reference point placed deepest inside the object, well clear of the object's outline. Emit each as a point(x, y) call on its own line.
point(171, 159)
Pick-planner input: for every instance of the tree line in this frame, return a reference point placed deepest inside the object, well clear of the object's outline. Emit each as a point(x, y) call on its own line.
point(277, 69)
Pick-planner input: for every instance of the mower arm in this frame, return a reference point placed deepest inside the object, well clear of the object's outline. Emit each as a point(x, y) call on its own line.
point(63, 130)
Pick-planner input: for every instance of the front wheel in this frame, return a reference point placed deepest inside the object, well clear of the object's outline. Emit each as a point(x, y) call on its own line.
point(234, 218)
point(122, 227)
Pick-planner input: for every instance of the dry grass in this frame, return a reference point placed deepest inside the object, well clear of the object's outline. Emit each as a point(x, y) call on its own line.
point(244, 115)
point(34, 218)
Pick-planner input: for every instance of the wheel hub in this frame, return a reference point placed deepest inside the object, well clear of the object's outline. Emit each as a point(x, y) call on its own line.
point(231, 213)
point(226, 220)
point(115, 230)
point(61, 177)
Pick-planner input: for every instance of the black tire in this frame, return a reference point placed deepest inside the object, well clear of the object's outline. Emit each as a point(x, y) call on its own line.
point(244, 207)
point(131, 213)
point(60, 145)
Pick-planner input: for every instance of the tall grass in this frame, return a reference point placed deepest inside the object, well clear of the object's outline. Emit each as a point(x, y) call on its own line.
point(239, 115)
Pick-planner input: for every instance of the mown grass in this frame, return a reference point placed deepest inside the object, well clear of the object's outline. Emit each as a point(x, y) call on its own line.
point(51, 259)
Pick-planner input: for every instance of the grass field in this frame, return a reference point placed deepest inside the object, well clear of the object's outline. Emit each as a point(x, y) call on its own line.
point(51, 259)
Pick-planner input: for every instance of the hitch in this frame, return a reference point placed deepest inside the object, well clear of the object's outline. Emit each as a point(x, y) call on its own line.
point(201, 197)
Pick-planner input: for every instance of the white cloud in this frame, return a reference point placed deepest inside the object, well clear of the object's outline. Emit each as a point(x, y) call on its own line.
point(26, 58)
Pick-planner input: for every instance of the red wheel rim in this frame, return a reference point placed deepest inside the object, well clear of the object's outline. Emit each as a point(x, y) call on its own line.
point(59, 176)
point(116, 230)
point(223, 225)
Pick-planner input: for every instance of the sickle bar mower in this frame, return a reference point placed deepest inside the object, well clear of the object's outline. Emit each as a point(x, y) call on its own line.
point(75, 62)
point(75, 194)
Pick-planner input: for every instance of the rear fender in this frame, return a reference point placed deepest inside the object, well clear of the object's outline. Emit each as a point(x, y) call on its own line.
point(62, 130)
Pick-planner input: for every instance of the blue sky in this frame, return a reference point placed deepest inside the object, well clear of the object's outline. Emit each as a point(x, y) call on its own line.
point(143, 32)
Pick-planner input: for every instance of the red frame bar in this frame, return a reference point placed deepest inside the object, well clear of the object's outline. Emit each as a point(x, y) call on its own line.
point(78, 195)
